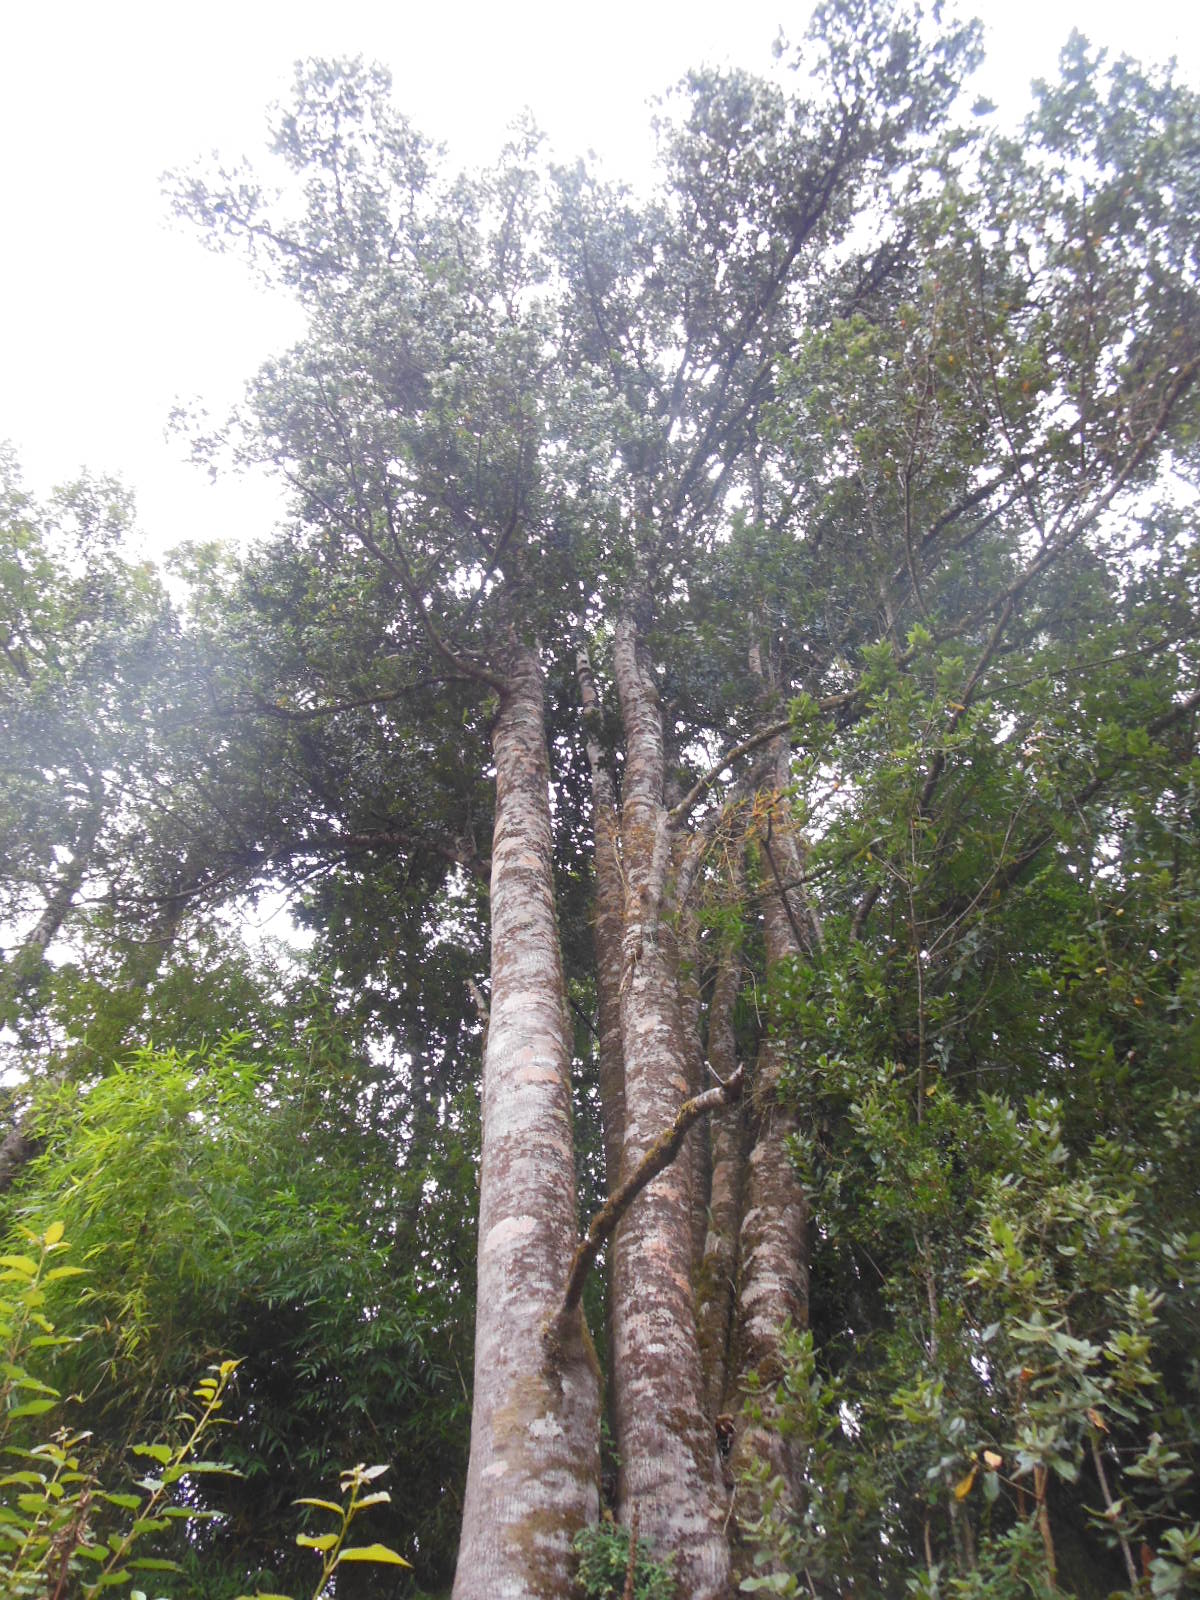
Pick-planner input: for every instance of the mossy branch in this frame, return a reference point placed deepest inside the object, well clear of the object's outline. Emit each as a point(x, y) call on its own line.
point(659, 1156)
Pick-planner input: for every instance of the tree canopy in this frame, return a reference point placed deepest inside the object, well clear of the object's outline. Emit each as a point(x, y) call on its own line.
point(721, 711)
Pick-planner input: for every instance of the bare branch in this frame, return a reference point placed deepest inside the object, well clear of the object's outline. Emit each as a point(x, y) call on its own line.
point(659, 1156)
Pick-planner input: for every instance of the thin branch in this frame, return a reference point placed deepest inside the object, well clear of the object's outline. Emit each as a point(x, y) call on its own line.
point(1111, 1513)
point(831, 702)
point(269, 708)
point(801, 942)
point(659, 1156)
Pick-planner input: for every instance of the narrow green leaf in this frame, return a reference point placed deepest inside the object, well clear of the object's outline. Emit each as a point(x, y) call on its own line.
point(148, 1525)
point(373, 1552)
point(33, 1408)
point(127, 1502)
point(21, 1264)
point(317, 1541)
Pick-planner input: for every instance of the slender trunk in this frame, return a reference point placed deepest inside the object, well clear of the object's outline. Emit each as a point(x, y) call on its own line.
point(697, 1151)
point(17, 1149)
point(28, 963)
point(669, 1470)
point(773, 1288)
point(19, 983)
point(532, 1478)
point(681, 930)
point(716, 1283)
point(606, 931)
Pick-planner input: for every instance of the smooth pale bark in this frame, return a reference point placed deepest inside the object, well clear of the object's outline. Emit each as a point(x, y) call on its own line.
point(669, 1469)
point(533, 1476)
point(773, 1250)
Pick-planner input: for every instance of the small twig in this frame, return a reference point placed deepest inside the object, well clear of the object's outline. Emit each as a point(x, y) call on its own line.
point(1110, 1508)
point(583, 1017)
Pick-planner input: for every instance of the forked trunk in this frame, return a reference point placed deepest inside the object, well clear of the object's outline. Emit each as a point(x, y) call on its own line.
point(533, 1474)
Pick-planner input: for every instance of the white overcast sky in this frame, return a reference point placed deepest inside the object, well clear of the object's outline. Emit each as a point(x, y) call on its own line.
point(109, 312)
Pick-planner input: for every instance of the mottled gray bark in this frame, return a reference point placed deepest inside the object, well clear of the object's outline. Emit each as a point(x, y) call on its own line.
point(717, 1278)
point(29, 960)
point(17, 1149)
point(773, 1249)
point(669, 1469)
point(20, 980)
point(533, 1476)
point(606, 928)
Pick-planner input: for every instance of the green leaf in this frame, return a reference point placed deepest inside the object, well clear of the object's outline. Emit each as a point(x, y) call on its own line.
point(317, 1541)
point(33, 1408)
point(373, 1552)
point(26, 1380)
point(148, 1525)
point(22, 1264)
point(323, 1505)
point(161, 1453)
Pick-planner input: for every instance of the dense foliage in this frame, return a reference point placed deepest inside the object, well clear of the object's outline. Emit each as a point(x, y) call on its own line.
point(883, 433)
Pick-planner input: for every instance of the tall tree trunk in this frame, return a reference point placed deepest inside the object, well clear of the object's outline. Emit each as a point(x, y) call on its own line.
point(533, 1473)
point(773, 1285)
point(669, 1471)
point(716, 1284)
point(27, 965)
point(24, 973)
point(606, 928)
point(697, 1150)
